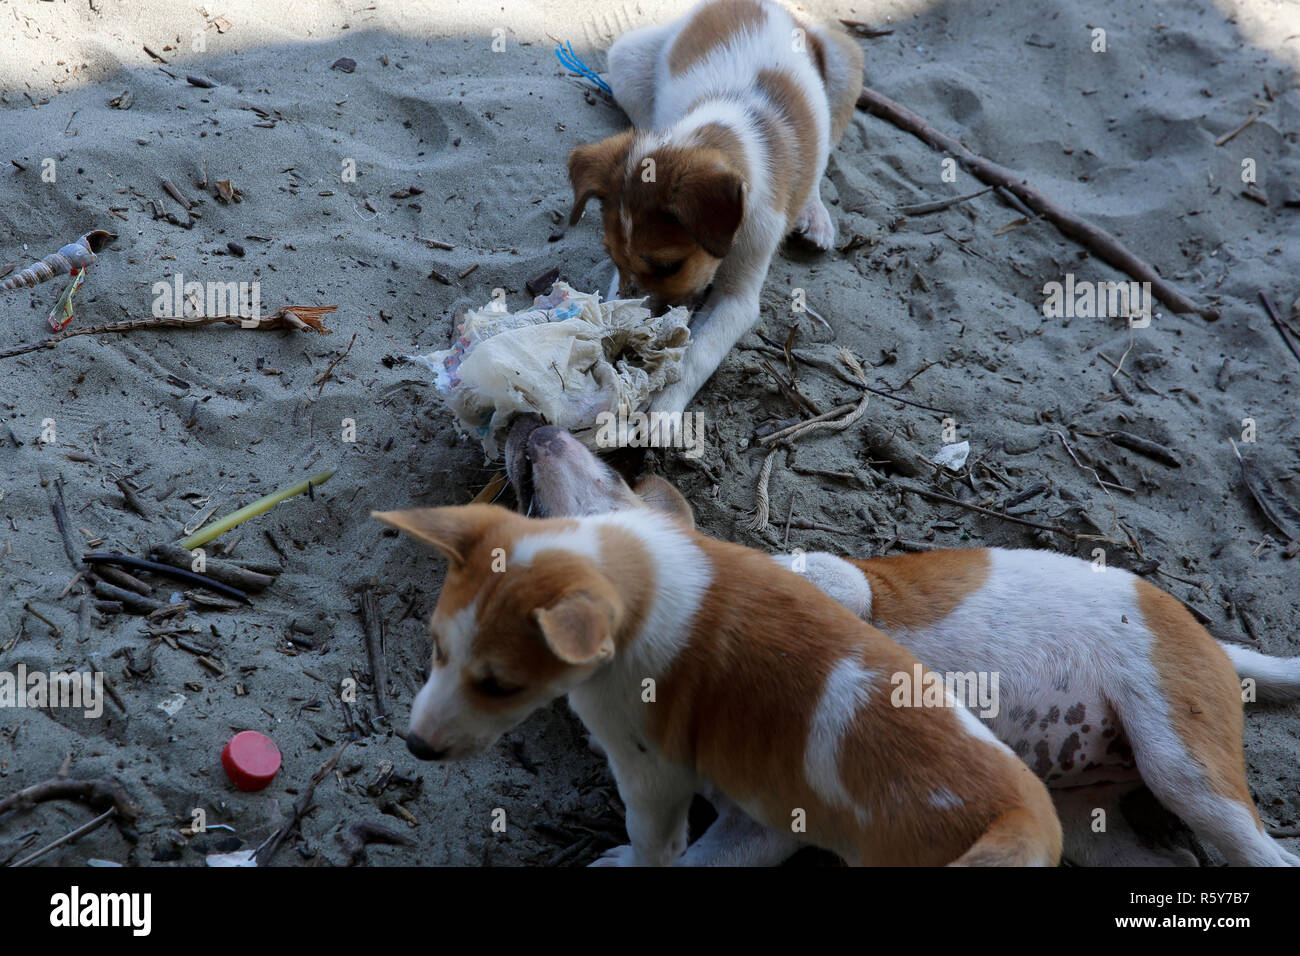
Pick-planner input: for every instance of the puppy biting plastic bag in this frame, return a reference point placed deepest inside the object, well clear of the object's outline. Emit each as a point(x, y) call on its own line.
point(568, 358)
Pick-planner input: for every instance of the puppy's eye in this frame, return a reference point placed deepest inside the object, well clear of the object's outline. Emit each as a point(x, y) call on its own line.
point(662, 270)
point(491, 686)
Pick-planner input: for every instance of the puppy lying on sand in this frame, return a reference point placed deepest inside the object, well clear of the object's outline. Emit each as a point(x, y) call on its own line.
point(736, 107)
point(695, 662)
point(1106, 683)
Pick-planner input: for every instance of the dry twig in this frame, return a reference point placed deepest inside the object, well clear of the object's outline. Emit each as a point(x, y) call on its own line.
point(272, 843)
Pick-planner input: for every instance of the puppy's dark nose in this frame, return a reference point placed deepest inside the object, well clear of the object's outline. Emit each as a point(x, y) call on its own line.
point(422, 750)
point(522, 427)
point(547, 438)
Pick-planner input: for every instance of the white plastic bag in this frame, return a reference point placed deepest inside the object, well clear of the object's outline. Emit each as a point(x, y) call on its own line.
point(567, 358)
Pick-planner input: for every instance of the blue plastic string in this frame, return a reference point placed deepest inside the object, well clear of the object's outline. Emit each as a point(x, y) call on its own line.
point(570, 60)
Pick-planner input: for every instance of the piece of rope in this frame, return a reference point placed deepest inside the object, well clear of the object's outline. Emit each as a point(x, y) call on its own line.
point(835, 425)
point(762, 506)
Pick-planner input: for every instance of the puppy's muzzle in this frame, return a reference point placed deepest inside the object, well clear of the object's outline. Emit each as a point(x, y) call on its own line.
point(531, 443)
point(519, 465)
point(555, 474)
point(422, 750)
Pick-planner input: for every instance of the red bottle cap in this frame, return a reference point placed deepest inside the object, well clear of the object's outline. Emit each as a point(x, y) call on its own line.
point(251, 760)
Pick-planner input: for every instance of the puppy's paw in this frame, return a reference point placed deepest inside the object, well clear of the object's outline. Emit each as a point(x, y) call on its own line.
point(672, 400)
point(814, 224)
point(618, 856)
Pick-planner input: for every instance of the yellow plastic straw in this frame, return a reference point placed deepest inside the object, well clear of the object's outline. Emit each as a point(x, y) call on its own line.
point(212, 529)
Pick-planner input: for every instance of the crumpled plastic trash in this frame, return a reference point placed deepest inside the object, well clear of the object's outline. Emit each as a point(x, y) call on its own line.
point(172, 704)
point(953, 456)
point(237, 858)
point(568, 358)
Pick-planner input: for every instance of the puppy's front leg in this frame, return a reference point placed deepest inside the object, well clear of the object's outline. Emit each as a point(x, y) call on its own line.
point(730, 311)
point(658, 796)
point(713, 333)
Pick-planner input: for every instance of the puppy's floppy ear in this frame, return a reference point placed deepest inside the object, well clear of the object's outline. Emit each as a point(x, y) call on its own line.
point(453, 531)
point(593, 167)
point(660, 495)
point(579, 627)
point(709, 202)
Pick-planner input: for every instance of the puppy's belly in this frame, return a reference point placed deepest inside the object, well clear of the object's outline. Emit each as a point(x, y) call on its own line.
point(1066, 741)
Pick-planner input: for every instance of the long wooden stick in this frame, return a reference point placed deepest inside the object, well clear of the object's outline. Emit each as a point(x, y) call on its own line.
point(307, 317)
point(939, 205)
point(1287, 337)
point(96, 793)
point(1094, 238)
point(227, 572)
point(105, 561)
point(948, 500)
point(70, 837)
point(372, 626)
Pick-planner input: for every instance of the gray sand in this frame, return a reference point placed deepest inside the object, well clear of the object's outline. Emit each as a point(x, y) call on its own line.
point(1124, 138)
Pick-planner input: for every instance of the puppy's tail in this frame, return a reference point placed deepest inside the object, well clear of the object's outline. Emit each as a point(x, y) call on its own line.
point(1277, 679)
point(1018, 837)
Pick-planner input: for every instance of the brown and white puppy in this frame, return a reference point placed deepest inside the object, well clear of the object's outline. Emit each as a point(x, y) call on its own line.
point(735, 108)
point(1105, 683)
point(698, 663)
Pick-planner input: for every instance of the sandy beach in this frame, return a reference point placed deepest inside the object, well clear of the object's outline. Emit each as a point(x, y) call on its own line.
point(401, 162)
